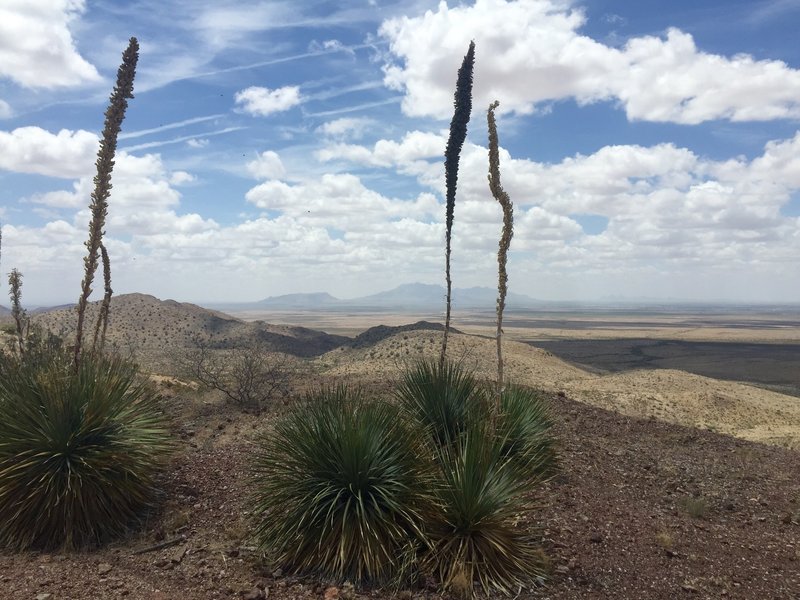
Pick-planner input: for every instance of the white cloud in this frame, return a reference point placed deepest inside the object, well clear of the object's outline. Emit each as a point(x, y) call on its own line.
point(181, 178)
point(66, 154)
point(36, 46)
point(268, 165)
point(409, 156)
point(346, 127)
point(665, 205)
point(197, 143)
point(5, 110)
point(531, 51)
point(260, 101)
point(339, 201)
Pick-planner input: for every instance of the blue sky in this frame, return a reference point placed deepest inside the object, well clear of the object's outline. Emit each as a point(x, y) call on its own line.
point(652, 149)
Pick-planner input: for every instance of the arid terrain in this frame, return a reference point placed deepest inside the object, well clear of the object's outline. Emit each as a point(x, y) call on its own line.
point(672, 484)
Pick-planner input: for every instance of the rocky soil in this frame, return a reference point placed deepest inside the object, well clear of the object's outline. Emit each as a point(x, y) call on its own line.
point(640, 509)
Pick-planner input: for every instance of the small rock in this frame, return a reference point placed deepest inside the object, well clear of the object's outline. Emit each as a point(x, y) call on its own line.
point(177, 557)
point(596, 538)
point(331, 593)
point(104, 568)
point(688, 587)
point(277, 573)
point(405, 595)
point(255, 594)
point(44, 596)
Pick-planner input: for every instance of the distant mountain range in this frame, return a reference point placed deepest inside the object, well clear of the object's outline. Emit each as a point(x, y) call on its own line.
point(416, 296)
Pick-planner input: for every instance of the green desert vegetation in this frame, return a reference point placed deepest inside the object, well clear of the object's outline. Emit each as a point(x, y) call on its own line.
point(82, 435)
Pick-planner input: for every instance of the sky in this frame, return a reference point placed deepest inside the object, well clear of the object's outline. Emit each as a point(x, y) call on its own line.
point(651, 149)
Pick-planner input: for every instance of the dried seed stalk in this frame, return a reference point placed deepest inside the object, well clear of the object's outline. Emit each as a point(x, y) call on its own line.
point(505, 238)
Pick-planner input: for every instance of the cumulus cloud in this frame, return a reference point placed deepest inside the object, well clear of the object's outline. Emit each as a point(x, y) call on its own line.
point(45, 56)
point(268, 165)
point(531, 51)
point(339, 201)
point(67, 154)
point(260, 101)
point(663, 204)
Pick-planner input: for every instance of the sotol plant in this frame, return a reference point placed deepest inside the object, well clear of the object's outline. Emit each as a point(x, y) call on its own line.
point(452, 154)
point(337, 487)
point(78, 450)
point(82, 436)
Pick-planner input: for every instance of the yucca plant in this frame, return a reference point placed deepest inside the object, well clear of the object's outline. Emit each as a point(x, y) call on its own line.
point(79, 450)
point(338, 488)
point(473, 537)
point(442, 398)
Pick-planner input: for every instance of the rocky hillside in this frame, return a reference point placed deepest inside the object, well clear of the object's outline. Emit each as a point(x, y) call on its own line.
point(745, 411)
point(152, 328)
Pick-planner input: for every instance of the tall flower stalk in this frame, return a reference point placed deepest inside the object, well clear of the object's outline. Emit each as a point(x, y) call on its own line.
point(505, 238)
point(114, 116)
point(458, 133)
point(19, 314)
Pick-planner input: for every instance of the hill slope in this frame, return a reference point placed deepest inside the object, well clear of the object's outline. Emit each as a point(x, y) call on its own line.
point(154, 328)
point(737, 409)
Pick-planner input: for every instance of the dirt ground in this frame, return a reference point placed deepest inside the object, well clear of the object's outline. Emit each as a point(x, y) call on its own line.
point(640, 509)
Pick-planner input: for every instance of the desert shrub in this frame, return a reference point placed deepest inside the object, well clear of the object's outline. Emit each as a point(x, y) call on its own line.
point(433, 483)
point(479, 493)
point(337, 487)
point(441, 398)
point(487, 459)
point(249, 375)
point(79, 449)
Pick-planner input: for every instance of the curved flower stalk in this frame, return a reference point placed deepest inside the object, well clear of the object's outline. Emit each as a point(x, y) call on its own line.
point(505, 238)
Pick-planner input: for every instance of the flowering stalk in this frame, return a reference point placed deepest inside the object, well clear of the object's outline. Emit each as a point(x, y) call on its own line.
point(19, 314)
point(114, 116)
point(458, 133)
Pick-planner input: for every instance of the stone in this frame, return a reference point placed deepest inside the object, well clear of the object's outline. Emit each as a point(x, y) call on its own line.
point(178, 555)
point(331, 593)
point(255, 594)
point(104, 568)
point(45, 596)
